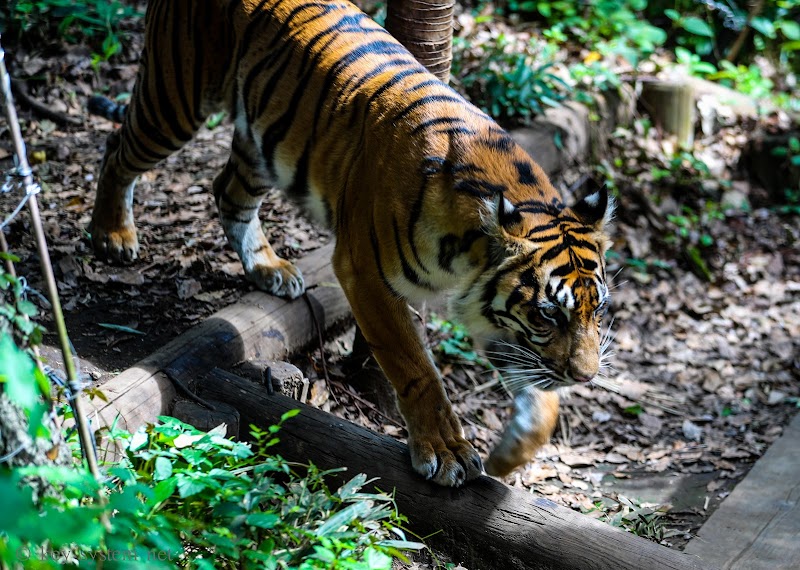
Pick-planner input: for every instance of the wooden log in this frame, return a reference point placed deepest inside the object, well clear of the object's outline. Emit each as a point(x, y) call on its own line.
point(257, 326)
point(569, 135)
point(484, 525)
point(206, 419)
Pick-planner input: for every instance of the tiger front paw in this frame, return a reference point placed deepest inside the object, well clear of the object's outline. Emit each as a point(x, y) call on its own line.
point(118, 245)
point(282, 279)
point(444, 456)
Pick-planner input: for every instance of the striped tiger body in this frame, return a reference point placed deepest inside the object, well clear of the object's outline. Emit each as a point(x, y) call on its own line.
point(425, 193)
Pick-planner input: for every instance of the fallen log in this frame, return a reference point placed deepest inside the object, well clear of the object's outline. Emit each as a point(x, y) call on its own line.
point(484, 525)
point(258, 326)
point(569, 135)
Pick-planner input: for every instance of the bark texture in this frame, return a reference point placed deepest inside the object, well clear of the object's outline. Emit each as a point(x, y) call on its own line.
point(426, 29)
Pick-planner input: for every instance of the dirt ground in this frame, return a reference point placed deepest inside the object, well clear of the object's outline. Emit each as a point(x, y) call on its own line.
point(704, 378)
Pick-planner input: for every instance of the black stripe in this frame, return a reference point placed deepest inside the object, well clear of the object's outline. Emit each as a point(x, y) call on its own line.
point(358, 81)
point(177, 65)
point(437, 121)
point(408, 271)
point(526, 175)
point(299, 186)
point(479, 188)
point(376, 47)
point(373, 238)
point(425, 100)
point(235, 206)
point(255, 192)
point(397, 78)
point(413, 218)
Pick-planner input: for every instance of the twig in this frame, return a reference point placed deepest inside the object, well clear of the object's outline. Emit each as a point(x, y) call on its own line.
point(321, 341)
point(349, 390)
point(738, 44)
point(20, 89)
point(184, 389)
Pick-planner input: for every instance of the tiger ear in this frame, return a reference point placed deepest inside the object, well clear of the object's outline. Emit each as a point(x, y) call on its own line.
point(596, 209)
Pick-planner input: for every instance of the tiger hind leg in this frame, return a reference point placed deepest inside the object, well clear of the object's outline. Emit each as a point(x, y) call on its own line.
point(132, 150)
point(238, 192)
point(532, 424)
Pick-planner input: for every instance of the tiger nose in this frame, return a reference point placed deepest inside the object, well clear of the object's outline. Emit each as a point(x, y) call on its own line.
point(583, 379)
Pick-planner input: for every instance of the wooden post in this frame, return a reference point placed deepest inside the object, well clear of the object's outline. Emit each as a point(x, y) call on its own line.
point(483, 525)
point(671, 106)
point(426, 29)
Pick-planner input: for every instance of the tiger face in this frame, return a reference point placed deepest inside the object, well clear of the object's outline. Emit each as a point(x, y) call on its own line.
point(546, 293)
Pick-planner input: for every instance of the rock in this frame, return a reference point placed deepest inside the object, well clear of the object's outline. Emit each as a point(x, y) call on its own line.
point(736, 200)
point(775, 397)
point(691, 431)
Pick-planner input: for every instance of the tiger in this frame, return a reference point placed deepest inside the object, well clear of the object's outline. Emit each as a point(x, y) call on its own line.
point(426, 196)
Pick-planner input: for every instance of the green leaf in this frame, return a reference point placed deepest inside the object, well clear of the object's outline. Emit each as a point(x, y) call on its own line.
point(263, 520)
point(673, 15)
point(763, 26)
point(376, 559)
point(634, 410)
point(344, 517)
point(290, 414)
point(162, 491)
point(17, 373)
point(789, 29)
point(698, 27)
point(138, 440)
point(27, 308)
point(163, 469)
point(544, 9)
point(120, 328)
point(188, 486)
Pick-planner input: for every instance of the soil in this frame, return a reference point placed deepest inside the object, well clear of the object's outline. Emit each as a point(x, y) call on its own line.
point(705, 374)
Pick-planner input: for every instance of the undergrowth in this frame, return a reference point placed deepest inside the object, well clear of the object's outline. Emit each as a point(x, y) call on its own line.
point(179, 497)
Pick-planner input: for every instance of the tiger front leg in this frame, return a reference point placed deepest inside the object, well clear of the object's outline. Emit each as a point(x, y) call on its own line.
point(112, 227)
point(436, 441)
point(532, 424)
point(238, 196)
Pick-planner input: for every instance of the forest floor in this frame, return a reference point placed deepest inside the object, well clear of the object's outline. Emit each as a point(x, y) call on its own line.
point(704, 378)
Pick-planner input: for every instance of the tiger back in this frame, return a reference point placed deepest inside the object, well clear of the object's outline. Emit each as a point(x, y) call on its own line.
point(425, 193)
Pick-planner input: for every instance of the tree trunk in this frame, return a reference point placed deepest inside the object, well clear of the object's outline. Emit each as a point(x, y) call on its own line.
point(426, 29)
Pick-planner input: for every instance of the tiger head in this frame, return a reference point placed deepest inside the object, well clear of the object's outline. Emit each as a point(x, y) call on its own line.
point(545, 292)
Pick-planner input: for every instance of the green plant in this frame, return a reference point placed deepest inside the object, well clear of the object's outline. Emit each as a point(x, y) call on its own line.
point(617, 26)
point(179, 497)
point(184, 498)
point(692, 234)
point(693, 62)
point(791, 152)
point(747, 79)
point(96, 21)
point(453, 341)
point(16, 311)
point(509, 84)
point(639, 518)
point(699, 33)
